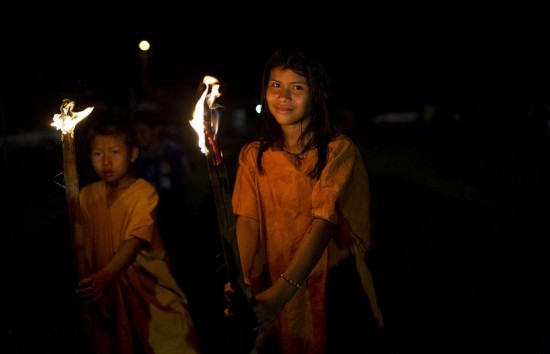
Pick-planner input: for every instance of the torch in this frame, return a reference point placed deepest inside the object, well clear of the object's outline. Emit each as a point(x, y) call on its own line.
point(205, 123)
point(66, 122)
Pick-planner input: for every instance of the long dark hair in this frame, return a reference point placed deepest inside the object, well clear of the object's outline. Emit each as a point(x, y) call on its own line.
point(323, 111)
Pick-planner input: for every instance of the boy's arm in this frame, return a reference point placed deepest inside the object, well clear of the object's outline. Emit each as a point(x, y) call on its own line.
point(91, 288)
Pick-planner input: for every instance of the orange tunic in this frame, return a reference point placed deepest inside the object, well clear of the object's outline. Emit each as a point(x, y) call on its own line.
point(144, 310)
point(285, 200)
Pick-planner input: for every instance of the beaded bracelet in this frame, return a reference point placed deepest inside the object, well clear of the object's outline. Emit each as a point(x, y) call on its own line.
point(291, 282)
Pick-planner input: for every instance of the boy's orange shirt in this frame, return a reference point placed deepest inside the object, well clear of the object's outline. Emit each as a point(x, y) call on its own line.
point(145, 303)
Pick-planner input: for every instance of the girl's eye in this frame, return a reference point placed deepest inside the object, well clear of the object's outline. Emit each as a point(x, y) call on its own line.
point(275, 84)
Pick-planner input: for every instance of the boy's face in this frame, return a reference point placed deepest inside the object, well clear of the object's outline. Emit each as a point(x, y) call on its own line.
point(111, 157)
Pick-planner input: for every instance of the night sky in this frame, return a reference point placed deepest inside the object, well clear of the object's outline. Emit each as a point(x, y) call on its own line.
point(390, 64)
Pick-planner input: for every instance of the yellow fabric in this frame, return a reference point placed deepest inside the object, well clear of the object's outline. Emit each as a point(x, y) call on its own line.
point(285, 201)
point(145, 311)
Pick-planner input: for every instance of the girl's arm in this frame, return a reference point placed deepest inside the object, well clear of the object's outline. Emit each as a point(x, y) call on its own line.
point(270, 302)
point(248, 239)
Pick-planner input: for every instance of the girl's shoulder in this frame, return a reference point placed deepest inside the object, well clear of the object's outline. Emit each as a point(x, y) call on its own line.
point(343, 148)
point(253, 145)
point(342, 142)
point(250, 150)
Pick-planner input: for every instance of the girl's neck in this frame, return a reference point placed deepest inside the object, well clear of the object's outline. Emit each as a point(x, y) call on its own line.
point(294, 145)
point(292, 134)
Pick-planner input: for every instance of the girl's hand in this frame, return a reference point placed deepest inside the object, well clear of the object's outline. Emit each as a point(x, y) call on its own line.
point(228, 293)
point(269, 303)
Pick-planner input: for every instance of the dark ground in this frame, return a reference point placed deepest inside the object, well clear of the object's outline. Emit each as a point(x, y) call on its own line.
point(460, 242)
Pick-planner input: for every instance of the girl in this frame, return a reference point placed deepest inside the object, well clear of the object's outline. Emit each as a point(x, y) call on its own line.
point(301, 199)
point(133, 302)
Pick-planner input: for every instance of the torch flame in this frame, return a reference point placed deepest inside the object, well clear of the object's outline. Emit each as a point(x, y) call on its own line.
point(198, 123)
point(67, 119)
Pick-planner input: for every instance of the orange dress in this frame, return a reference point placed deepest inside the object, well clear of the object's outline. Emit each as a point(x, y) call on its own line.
point(285, 200)
point(144, 310)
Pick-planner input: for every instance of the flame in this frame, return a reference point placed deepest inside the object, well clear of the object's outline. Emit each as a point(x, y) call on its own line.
point(198, 123)
point(67, 119)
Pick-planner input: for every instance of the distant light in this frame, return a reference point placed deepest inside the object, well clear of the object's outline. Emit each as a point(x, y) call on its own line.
point(144, 45)
point(258, 108)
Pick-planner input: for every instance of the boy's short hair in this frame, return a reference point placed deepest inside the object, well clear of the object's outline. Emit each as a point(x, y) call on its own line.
point(111, 125)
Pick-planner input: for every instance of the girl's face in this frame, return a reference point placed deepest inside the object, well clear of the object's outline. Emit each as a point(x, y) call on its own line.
point(287, 96)
point(111, 157)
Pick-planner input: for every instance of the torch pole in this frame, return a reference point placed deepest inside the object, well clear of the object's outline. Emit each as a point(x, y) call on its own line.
point(66, 122)
point(244, 319)
point(226, 218)
point(70, 178)
point(241, 336)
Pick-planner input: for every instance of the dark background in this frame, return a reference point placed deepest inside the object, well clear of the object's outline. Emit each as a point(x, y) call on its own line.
point(459, 197)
